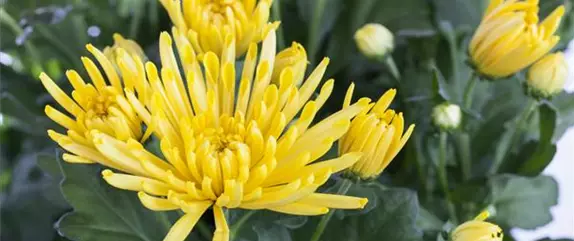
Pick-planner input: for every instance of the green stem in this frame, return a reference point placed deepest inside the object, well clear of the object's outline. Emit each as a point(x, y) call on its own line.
point(469, 90)
point(276, 14)
point(390, 63)
point(237, 225)
point(463, 140)
point(505, 147)
point(343, 189)
point(314, 29)
point(442, 174)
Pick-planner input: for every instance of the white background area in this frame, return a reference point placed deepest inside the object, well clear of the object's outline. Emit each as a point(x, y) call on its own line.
point(562, 169)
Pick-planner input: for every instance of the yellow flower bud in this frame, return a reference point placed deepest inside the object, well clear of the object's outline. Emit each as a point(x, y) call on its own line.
point(510, 37)
point(374, 40)
point(477, 230)
point(547, 76)
point(377, 133)
point(294, 57)
point(447, 116)
point(127, 45)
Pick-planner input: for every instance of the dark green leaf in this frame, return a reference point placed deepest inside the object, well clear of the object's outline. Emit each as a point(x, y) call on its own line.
point(102, 212)
point(440, 94)
point(394, 218)
point(535, 155)
point(266, 226)
point(33, 204)
point(523, 202)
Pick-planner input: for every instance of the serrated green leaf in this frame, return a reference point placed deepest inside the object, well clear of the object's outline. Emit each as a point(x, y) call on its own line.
point(102, 212)
point(394, 218)
point(523, 202)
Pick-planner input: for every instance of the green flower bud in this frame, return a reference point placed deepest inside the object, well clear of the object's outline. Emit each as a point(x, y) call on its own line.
point(447, 116)
point(374, 40)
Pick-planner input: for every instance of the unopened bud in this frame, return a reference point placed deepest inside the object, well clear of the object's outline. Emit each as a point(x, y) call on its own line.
point(477, 230)
point(374, 40)
point(447, 116)
point(547, 76)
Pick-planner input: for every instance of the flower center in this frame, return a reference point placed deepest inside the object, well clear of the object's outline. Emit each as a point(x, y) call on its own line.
point(98, 105)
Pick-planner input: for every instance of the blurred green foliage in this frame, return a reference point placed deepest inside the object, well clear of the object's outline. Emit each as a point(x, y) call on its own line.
point(431, 50)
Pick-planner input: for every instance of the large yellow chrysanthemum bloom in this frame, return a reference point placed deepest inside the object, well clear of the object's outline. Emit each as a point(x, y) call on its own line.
point(477, 230)
point(206, 23)
point(231, 147)
point(377, 133)
point(98, 105)
point(510, 38)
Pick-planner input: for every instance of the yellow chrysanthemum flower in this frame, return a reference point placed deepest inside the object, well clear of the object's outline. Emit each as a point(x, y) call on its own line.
point(477, 230)
point(231, 147)
point(378, 133)
point(99, 105)
point(207, 22)
point(547, 76)
point(128, 45)
point(510, 38)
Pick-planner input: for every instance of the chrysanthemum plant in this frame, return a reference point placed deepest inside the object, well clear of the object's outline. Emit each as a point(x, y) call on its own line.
point(285, 120)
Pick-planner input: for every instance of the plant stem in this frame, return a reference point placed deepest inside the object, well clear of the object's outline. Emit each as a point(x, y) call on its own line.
point(237, 225)
point(442, 174)
point(505, 147)
point(469, 90)
point(345, 185)
point(315, 29)
point(276, 14)
point(390, 63)
point(463, 140)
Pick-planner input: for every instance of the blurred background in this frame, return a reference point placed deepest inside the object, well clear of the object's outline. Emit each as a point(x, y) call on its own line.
point(50, 36)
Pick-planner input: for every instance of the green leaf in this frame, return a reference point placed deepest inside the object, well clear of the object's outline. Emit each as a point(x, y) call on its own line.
point(544, 149)
point(265, 225)
point(438, 84)
point(523, 202)
point(467, 14)
point(33, 204)
point(102, 212)
point(564, 104)
point(394, 218)
point(428, 221)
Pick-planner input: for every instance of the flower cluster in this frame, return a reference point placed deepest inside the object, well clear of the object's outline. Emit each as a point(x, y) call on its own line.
point(250, 145)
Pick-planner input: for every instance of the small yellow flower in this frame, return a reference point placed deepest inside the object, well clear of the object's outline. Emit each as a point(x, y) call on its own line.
point(207, 22)
point(477, 230)
point(547, 76)
point(131, 47)
point(374, 40)
point(377, 133)
point(294, 57)
point(510, 38)
point(447, 116)
point(98, 105)
point(228, 146)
